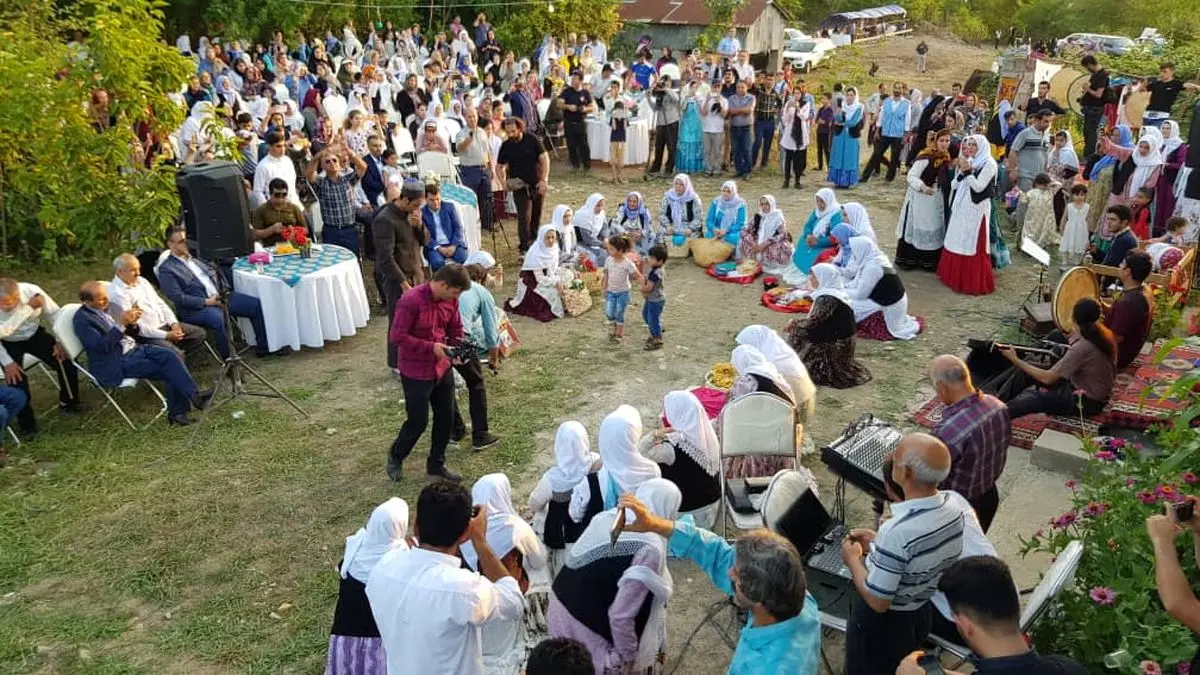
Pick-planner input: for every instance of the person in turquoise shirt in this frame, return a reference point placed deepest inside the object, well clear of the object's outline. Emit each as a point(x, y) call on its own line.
point(765, 575)
point(726, 215)
point(817, 236)
point(477, 308)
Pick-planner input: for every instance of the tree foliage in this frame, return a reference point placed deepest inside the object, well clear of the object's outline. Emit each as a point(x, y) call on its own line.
point(523, 27)
point(65, 188)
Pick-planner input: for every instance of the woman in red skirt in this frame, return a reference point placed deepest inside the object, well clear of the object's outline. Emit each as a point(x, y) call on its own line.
point(965, 265)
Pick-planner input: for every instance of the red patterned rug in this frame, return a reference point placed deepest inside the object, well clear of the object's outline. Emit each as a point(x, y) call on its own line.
point(711, 271)
point(1139, 400)
point(769, 301)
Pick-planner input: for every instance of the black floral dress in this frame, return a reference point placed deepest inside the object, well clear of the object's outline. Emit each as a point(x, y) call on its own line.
point(825, 340)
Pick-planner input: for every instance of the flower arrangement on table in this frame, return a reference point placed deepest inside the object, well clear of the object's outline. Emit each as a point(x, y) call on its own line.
point(295, 240)
point(431, 177)
point(259, 259)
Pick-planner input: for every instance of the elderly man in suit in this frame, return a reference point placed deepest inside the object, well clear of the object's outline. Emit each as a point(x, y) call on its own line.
point(445, 241)
point(192, 286)
point(113, 355)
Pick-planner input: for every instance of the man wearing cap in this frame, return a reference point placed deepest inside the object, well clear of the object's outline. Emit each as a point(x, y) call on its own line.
point(399, 236)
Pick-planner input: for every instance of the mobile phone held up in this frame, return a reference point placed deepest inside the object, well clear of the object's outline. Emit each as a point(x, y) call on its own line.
point(1184, 510)
point(618, 527)
point(930, 664)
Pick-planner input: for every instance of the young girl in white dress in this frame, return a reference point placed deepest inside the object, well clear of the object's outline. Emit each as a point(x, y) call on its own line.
point(1074, 241)
point(1039, 222)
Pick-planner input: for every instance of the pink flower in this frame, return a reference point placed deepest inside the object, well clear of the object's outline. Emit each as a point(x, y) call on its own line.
point(1106, 455)
point(1190, 478)
point(1150, 668)
point(1183, 668)
point(1147, 497)
point(1072, 484)
point(1130, 482)
point(1167, 491)
point(1102, 595)
point(1094, 509)
point(1065, 520)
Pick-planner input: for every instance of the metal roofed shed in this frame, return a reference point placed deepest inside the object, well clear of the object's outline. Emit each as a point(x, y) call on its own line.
point(872, 23)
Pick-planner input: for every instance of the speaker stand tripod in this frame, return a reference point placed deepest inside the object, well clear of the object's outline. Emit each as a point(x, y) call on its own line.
point(235, 368)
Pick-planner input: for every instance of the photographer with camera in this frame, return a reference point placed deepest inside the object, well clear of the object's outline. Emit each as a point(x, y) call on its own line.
point(428, 334)
point(664, 101)
point(1173, 588)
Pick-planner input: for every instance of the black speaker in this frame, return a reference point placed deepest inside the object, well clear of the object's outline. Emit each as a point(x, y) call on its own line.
point(215, 211)
point(1193, 158)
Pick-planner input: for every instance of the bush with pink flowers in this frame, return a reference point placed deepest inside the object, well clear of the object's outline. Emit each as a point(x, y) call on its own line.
point(1113, 603)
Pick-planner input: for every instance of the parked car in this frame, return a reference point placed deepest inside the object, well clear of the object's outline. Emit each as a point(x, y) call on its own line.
point(794, 34)
point(806, 54)
point(1095, 42)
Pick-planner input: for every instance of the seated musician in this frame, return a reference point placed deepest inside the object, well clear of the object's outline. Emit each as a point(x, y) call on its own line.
point(1130, 316)
point(976, 429)
point(890, 612)
point(1082, 380)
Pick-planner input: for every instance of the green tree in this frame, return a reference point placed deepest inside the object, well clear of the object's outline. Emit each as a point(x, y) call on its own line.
point(67, 189)
point(523, 30)
point(721, 14)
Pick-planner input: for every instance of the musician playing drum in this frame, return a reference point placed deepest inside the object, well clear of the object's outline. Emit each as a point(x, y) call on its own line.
point(1130, 316)
point(1082, 381)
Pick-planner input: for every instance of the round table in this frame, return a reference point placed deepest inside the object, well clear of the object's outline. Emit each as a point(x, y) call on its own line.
point(637, 141)
point(306, 302)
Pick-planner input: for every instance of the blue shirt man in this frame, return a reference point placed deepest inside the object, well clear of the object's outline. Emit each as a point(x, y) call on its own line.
point(642, 72)
point(893, 117)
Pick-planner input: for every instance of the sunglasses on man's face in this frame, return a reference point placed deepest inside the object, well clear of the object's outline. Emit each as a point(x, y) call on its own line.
point(281, 195)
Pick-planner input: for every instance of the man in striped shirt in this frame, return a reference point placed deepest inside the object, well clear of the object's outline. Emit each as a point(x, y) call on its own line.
point(890, 613)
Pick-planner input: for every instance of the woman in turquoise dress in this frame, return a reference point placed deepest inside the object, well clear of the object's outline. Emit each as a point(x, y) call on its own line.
point(843, 160)
point(691, 138)
point(816, 238)
point(726, 215)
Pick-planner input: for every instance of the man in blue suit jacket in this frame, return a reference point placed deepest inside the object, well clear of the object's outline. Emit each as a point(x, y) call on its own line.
point(372, 180)
point(446, 242)
point(191, 285)
point(113, 355)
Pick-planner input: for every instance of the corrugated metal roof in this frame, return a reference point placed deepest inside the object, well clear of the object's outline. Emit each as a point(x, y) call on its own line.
point(687, 12)
point(872, 13)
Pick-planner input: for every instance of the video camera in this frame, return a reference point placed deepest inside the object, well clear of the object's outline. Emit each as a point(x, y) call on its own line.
point(465, 350)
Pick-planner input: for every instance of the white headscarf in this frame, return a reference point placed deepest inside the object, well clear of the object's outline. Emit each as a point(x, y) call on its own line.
point(771, 221)
point(678, 202)
point(1066, 155)
point(385, 530)
point(863, 254)
point(506, 530)
point(566, 232)
point(1171, 139)
point(686, 415)
point(750, 361)
point(830, 283)
point(825, 215)
point(573, 462)
point(623, 464)
point(780, 353)
point(586, 217)
point(984, 153)
point(1145, 166)
point(857, 218)
point(729, 207)
point(481, 258)
point(540, 256)
point(193, 126)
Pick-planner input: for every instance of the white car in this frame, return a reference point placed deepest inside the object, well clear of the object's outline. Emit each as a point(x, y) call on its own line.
point(790, 34)
point(805, 54)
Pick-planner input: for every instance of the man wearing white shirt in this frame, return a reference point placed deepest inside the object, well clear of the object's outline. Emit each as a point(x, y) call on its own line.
point(744, 70)
point(599, 50)
point(22, 308)
point(276, 164)
point(429, 609)
point(729, 45)
point(157, 324)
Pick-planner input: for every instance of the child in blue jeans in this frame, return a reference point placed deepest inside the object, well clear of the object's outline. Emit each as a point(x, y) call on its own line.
point(655, 299)
point(619, 273)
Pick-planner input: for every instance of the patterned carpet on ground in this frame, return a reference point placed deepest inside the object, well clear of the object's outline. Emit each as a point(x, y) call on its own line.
point(1140, 399)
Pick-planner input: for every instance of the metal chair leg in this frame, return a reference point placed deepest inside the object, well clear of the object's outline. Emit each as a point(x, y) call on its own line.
point(16, 439)
point(120, 411)
point(162, 410)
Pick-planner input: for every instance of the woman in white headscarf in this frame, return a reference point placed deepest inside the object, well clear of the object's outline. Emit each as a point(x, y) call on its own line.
point(1175, 153)
point(1137, 167)
point(193, 136)
point(966, 263)
point(624, 468)
point(816, 240)
point(825, 338)
point(590, 221)
point(766, 238)
point(877, 295)
point(787, 362)
point(722, 227)
point(568, 495)
point(355, 647)
point(506, 643)
point(688, 453)
point(561, 220)
point(542, 281)
point(600, 595)
point(756, 373)
point(680, 214)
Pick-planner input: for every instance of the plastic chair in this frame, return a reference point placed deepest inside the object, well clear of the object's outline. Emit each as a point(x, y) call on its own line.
point(755, 425)
point(402, 141)
point(440, 163)
point(64, 330)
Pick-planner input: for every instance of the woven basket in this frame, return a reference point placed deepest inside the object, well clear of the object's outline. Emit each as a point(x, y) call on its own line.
point(594, 281)
point(576, 301)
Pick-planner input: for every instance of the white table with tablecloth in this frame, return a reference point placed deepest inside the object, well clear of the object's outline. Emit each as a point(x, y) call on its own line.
point(637, 140)
point(306, 302)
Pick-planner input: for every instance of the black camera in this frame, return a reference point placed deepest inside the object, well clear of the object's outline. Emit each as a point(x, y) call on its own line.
point(463, 351)
point(1184, 510)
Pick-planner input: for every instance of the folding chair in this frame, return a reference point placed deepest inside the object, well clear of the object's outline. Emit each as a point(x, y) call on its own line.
point(1061, 573)
point(440, 163)
point(402, 141)
point(64, 330)
point(755, 425)
point(30, 362)
point(12, 434)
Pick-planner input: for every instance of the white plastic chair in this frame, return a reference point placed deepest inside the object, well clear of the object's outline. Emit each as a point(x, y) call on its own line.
point(402, 141)
point(755, 425)
point(64, 330)
point(440, 163)
point(30, 362)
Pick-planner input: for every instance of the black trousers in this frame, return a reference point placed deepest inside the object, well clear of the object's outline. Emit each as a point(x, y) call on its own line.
point(876, 643)
point(824, 147)
point(1091, 128)
point(1057, 400)
point(472, 373)
point(985, 506)
point(529, 214)
point(419, 397)
point(575, 134)
point(41, 344)
point(666, 138)
point(193, 339)
point(391, 294)
point(883, 144)
point(794, 161)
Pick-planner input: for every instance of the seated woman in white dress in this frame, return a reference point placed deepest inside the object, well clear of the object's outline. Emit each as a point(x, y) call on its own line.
point(633, 220)
point(590, 222)
point(506, 643)
point(541, 284)
point(787, 362)
point(756, 373)
point(766, 239)
point(875, 288)
point(568, 495)
point(624, 468)
point(689, 455)
point(565, 229)
point(681, 214)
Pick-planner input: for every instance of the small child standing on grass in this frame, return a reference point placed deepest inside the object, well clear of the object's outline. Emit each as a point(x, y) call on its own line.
point(1074, 241)
point(655, 299)
point(619, 271)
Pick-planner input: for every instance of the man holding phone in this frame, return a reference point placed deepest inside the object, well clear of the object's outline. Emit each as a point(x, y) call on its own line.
point(1173, 588)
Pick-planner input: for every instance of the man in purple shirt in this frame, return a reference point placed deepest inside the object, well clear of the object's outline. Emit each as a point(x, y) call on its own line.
point(426, 330)
point(976, 428)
